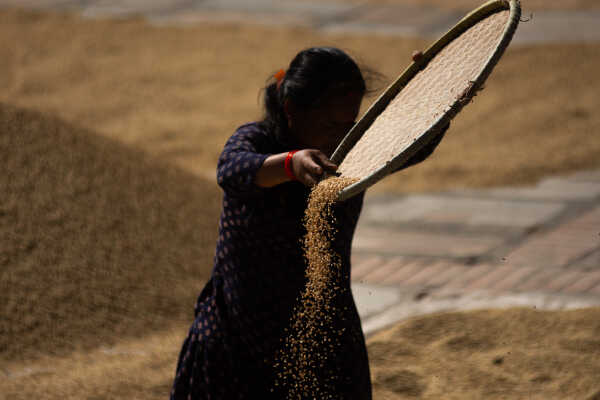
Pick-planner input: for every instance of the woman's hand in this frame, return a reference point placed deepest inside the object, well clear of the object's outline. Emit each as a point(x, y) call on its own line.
point(309, 165)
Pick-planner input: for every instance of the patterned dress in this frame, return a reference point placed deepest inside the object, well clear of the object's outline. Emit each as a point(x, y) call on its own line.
point(258, 276)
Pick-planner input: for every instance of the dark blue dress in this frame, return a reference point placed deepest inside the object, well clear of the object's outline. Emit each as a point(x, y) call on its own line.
point(257, 280)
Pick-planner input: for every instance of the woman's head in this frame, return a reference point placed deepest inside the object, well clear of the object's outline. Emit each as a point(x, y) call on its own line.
point(317, 100)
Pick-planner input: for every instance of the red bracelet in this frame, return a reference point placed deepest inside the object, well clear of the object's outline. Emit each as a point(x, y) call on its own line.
point(287, 165)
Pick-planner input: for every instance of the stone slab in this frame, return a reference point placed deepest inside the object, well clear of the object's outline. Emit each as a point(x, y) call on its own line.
point(418, 19)
point(558, 189)
point(101, 8)
point(372, 299)
point(390, 241)
point(559, 26)
point(407, 307)
point(470, 211)
point(191, 18)
point(586, 176)
point(329, 16)
point(318, 9)
point(370, 29)
point(42, 4)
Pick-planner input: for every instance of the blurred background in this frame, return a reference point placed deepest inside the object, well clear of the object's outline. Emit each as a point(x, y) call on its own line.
point(113, 115)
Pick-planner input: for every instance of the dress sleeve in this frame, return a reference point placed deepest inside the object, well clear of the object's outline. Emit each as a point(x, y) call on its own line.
point(240, 161)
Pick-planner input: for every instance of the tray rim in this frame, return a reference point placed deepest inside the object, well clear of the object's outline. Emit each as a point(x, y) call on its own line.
point(354, 135)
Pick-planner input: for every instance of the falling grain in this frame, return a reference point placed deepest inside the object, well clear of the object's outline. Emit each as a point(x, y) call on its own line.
point(302, 364)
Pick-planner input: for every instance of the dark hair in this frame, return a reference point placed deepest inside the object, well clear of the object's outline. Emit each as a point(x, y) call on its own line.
point(310, 75)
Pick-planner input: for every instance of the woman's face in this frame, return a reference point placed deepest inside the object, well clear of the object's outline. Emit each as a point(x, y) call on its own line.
point(323, 127)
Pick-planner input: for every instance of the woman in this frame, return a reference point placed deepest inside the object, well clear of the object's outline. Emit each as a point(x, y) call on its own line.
point(266, 171)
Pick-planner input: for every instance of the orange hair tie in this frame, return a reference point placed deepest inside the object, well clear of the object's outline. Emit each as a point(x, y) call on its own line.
point(279, 77)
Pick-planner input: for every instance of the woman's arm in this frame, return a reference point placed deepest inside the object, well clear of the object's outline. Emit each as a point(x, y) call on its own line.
point(307, 166)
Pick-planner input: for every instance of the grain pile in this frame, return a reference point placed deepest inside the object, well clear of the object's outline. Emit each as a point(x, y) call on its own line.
point(98, 79)
point(98, 242)
point(302, 363)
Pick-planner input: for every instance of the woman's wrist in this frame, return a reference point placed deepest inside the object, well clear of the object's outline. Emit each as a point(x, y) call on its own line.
point(287, 165)
point(272, 172)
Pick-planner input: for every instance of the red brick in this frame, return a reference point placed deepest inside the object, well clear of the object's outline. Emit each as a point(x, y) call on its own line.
point(404, 272)
point(486, 281)
point(558, 247)
point(472, 273)
point(513, 279)
point(536, 281)
point(449, 272)
point(564, 279)
point(366, 265)
point(595, 290)
point(357, 258)
point(585, 283)
point(425, 274)
point(383, 270)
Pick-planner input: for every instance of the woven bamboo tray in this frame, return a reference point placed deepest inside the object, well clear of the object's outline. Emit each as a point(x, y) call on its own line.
point(426, 96)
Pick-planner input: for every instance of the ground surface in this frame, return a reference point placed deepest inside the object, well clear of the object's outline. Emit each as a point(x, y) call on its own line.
point(176, 94)
point(472, 4)
point(514, 354)
point(98, 242)
point(104, 247)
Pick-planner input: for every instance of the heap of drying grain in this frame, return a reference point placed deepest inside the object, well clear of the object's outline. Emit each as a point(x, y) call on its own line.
point(310, 342)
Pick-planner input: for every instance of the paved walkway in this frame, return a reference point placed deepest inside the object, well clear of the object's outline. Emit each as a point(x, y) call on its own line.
point(412, 20)
point(534, 246)
point(537, 246)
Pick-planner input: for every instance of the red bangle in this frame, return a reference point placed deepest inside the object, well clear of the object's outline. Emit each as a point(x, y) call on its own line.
point(287, 165)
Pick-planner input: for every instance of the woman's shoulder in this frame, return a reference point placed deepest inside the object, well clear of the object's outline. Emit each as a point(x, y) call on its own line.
point(251, 129)
point(253, 133)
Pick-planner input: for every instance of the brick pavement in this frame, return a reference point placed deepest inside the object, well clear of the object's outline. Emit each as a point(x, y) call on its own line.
point(328, 16)
point(555, 250)
point(545, 251)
